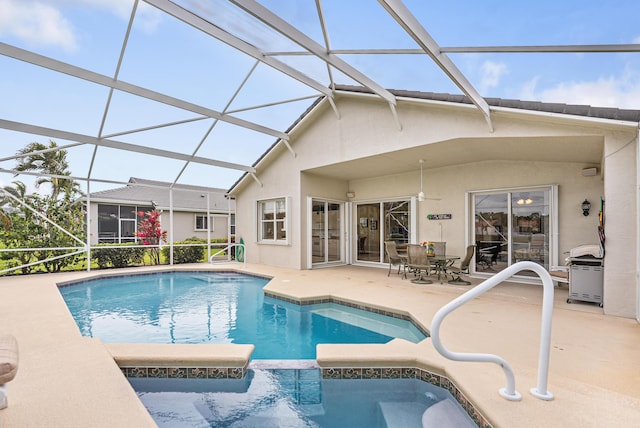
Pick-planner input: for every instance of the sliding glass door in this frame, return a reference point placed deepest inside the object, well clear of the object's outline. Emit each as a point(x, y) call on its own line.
point(326, 232)
point(377, 222)
point(513, 225)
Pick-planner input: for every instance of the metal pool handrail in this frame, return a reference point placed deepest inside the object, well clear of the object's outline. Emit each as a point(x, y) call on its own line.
point(227, 248)
point(509, 391)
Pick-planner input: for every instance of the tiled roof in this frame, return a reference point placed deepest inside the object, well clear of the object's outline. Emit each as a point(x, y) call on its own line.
point(185, 197)
point(558, 108)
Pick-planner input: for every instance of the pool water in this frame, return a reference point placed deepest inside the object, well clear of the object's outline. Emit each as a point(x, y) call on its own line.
point(220, 307)
point(296, 398)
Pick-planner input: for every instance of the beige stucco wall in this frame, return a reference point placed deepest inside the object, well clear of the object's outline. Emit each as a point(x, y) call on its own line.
point(450, 185)
point(366, 128)
point(621, 227)
point(281, 179)
point(184, 226)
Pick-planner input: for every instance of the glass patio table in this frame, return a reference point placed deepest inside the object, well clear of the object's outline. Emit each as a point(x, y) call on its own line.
point(441, 262)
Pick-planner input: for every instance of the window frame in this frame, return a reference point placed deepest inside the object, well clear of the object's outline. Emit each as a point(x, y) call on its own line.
point(209, 221)
point(552, 233)
point(275, 221)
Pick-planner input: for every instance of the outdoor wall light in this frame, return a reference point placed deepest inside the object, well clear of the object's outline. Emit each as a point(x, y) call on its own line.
point(586, 206)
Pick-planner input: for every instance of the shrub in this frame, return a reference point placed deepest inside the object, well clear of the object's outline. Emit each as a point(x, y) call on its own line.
point(190, 254)
point(106, 256)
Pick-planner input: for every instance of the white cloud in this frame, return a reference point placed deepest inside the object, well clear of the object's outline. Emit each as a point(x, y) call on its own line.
point(147, 17)
point(613, 91)
point(42, 22)
point(491, 74)
point(37, 23)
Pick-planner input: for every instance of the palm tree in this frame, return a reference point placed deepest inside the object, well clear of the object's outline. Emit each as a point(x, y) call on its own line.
point(50, 161)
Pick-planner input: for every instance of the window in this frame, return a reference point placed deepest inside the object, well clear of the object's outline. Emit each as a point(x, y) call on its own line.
point(108, 230)
point(128, 223)
point(201, 223)
point(272, 218)
point(232, 225)
point(118, 223)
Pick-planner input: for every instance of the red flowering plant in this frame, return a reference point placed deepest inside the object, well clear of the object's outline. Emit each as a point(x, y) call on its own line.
point(150, 233)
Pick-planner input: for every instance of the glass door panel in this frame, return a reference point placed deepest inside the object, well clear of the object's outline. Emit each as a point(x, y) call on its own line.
point(368, 235)
point(318, 221)
point(492, 231)
point(530, 226)
point(396, 223)
point(334, 245)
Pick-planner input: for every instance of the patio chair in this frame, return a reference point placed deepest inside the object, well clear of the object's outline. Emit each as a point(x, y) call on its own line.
point(488, 256)
point(439, 248)
point(418, 262)
point(537, 247)
point(395, 258)
point(456, 272)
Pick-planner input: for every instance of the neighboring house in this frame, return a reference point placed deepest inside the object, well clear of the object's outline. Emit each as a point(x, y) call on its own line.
point(350, 178)
point(114, 212)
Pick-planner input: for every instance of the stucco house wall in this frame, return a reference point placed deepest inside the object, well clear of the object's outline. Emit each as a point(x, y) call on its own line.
point(184, 225)
point(523, 149)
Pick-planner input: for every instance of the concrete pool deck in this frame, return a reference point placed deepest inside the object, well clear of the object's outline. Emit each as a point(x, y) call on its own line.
point(68, 380)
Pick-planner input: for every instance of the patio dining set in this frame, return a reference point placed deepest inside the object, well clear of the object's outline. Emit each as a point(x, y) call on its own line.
point(428, 259)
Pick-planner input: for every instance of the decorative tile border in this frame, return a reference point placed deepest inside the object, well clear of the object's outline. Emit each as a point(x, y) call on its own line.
point(186, 372)
point(348, 373)
point(337, 373)
point(360, 306)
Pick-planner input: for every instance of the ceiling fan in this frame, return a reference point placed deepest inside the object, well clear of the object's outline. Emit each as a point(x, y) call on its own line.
point(421, 197)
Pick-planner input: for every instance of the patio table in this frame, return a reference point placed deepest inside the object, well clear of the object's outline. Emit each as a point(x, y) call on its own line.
point(441, 262)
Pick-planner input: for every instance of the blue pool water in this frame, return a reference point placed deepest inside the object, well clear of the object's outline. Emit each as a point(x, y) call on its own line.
point(296, 398)
point(220, 307)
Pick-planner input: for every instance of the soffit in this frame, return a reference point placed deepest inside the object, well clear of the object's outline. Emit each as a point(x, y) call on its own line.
point(582, 150)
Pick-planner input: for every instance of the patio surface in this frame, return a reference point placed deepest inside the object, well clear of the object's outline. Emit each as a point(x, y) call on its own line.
point(67, 380)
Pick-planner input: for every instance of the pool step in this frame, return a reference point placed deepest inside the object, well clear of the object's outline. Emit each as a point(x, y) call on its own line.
point(402, 414)
point(443, 414)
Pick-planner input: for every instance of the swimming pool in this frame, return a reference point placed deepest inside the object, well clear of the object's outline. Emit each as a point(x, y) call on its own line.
point(220, 307)
point(298, 398)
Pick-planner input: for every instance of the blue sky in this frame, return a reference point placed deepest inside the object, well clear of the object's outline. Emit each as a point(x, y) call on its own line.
point(168, 57)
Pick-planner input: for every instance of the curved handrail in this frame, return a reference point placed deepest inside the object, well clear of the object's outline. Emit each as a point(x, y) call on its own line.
point(227, 248)
point(509, 391)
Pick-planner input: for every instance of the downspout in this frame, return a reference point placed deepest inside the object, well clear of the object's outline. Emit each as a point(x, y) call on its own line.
point(638, 225)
